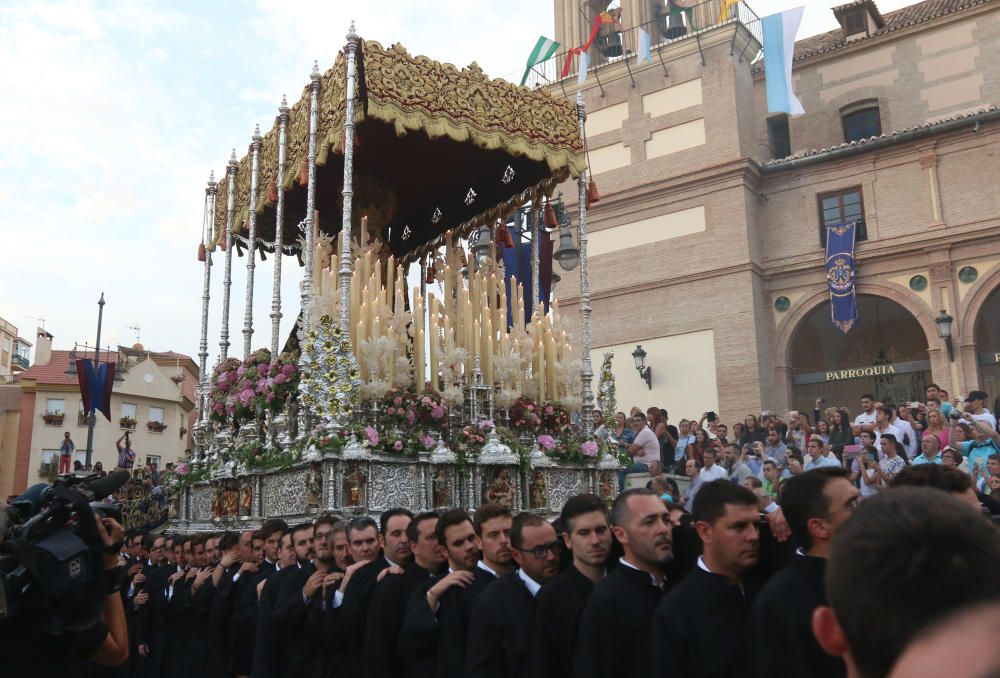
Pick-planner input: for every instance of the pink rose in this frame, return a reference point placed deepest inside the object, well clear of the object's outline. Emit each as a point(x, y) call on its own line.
point(548, 409)
point(437, 412)
point(425, 400)
point(181, 469)
point(410, 417)
point(391, 411)
point(398, 445)
point(397, 401)
point(531, 408)
point(589, 448)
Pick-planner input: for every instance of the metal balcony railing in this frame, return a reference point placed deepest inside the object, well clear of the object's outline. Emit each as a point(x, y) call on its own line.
point(615, 46)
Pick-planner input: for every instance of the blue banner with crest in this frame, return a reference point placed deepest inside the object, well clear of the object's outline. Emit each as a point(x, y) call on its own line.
point(840, 274)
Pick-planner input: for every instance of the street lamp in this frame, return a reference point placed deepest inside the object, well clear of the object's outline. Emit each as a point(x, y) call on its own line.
point(944, 321)
point(645, 373)
point(481, 247)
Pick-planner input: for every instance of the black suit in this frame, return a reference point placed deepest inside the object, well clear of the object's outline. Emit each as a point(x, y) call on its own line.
point(699, 629)
point(245, 618)
point(296, 626)
point(558, 607)
point(614, 625)
point(437, 638)
point(267, 653)
point(386, 611)
point(500, 629)
point(348, 621)
point(782, 644)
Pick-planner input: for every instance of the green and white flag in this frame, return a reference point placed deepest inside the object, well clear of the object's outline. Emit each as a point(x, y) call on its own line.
point(544, 49)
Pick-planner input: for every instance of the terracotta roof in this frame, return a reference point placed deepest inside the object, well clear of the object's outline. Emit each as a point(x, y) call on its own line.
point(54, 372)
point(894, 21)
point(888, 135)
point(10, 397)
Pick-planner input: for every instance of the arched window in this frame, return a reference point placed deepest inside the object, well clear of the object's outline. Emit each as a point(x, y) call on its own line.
point(861, 121)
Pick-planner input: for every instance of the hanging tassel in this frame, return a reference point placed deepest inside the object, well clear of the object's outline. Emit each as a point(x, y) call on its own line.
point(201, 251)
point(304, 172)
point(550, 216)
point(592, 195)
point(272, 193)
point(431, 273)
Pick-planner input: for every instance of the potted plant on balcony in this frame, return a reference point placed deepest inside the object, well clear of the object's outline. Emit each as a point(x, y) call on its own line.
point(53, 418)
point(127, 422)
point(156, 426)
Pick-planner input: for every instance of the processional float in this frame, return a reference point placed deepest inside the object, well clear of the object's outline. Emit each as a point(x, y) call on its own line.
point(457, 392)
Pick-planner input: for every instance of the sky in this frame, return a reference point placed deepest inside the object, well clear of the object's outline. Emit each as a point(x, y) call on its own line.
point(114, 112)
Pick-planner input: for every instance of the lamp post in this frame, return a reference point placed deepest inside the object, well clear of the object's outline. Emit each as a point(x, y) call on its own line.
point(645, 373)
point(567, 254)
point(92, 416)
point(943, 322)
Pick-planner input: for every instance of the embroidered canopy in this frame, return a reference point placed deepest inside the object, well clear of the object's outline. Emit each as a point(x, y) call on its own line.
point(436, 149)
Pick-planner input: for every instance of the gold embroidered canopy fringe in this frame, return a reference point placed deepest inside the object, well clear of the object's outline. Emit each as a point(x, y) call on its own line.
point(437, 149)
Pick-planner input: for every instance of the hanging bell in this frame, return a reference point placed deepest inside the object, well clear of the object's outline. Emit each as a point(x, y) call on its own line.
point(550, 216)
point(201, 252)
point(272, 193)
point(592, 195)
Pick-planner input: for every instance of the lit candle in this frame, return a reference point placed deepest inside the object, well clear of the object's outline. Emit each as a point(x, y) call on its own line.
point(488, 349)
point(539, 364)
point(550, 365)
point(432, 302)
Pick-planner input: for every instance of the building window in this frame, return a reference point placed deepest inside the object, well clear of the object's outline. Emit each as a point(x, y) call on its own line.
point(854, 22)
point(156, 414)
point(81, 418)
point(128, 418)
point(153, 459)
point(861, 122)
point(55, 405)
point(50, 464)
point(778, 141)
point(842, 207)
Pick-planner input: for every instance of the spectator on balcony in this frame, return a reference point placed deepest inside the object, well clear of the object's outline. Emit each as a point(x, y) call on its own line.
point(66, 450)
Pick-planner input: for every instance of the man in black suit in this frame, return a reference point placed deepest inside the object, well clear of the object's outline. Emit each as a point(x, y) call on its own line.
point(269, 646)
point(382, 653)
point(781, 643)
point(560, 602)
point(502, 620)
point(433, 633)
point(245, 596)
point(614, 625)
point(712, 601)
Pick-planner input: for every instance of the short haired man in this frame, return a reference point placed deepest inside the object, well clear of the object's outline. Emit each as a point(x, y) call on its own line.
point(774, 448)
point(819, 455)
point(341, 549)
point(436, 623)
point(351, 601)
point(950, 480)
point(502, 620)
point(883, 558)
point(698, 629)
point(772, 477)
point(929, 452)
point(711, 471)
point(816, 505)
point(865, 421)
point(245, 595)
point(560, 602)
point(493, 526)
point(614, 625)
point(884, 414)
point(644, 450)
point(932, 653)
point(387, 608)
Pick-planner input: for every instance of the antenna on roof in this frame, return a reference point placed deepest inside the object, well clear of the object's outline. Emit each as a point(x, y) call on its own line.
point(137, 330)
point(41, 320)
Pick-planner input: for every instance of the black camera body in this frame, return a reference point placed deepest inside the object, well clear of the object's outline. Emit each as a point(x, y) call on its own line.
point(51, 557)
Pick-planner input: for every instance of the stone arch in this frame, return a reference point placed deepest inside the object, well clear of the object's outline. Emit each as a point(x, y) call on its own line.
point(972, 304)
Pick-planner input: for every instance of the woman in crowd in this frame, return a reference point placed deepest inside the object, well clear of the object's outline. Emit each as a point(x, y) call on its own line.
point(696, 450)
point(840, 431)
point(951, 458)
point(822, 431)
point(866, 474)
point(752, 431)
point(621, 432)
point(937, 426)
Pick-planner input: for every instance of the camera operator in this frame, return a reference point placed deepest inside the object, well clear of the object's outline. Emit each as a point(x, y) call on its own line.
point(26, 649)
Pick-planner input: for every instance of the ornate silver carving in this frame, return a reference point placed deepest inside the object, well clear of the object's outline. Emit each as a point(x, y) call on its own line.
point(279, 226)
point(407, 232)
point(470, 197)
point(329, 380)
point(391, 485)
point(508, 175)
point(442, 454)
point(283, 493)
point(227, 280)
point(208, 237)
point(586, 372)
point(348, 193)
point(539, 459)
point(355, 450)
point(536, 284)
point(252, 236)
point(201, 503)
point(436, 215)
point(563, 484)
point(495, 453)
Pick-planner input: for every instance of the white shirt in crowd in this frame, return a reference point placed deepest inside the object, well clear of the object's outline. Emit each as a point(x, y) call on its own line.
point(650, 446)
point(908, 438)
point(714, 472)
point(988, 417)
point(829, 459)
point(865, 418)
point(889, 429)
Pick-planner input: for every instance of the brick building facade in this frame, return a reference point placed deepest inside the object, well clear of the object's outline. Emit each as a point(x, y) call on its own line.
point(707, 245)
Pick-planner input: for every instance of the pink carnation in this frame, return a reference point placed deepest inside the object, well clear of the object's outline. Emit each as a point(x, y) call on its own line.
point(398, 445)
point(372, 435)
point(181, 469)
point(589, 448)
point(246, 396)
point(429, 441)
point(240, 371)
point(546, 442)
point(288, 369)
point(280, 379)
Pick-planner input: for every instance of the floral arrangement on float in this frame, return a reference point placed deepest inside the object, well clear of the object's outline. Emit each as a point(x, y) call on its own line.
point(258, 457)
point(401, 408)
point(241, 389)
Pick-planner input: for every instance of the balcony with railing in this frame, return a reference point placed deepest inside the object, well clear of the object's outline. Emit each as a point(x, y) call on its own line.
point(617, 45)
